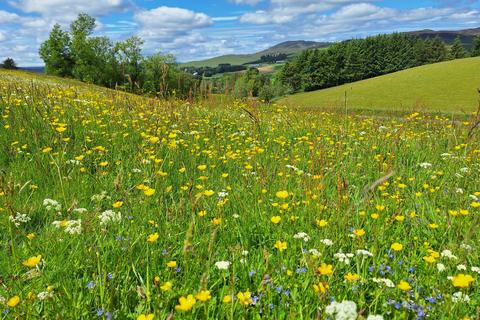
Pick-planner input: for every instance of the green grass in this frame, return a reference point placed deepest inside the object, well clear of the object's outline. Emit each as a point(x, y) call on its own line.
point(282, 194)
point(445, 87)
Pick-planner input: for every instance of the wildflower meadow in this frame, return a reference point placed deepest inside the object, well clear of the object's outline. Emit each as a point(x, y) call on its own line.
point(115, 206)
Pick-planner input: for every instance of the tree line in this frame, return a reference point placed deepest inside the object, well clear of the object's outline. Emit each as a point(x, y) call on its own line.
point(77, 54)
point(360, 59)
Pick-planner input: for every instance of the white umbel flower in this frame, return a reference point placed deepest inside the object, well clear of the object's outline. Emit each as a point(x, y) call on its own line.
point(222, 265)
point(109, 216)
point(345, 310)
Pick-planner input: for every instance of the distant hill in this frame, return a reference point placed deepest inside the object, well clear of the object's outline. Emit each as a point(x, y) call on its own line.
point(293, 47)
point(446, 86)
point(33, 69)
point(289, 48)
point(448, 36)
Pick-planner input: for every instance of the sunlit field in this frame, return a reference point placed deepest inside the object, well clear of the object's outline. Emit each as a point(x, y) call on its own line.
point(114, 206)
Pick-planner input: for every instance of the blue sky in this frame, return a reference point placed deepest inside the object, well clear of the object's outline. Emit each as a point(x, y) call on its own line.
point(198, 29)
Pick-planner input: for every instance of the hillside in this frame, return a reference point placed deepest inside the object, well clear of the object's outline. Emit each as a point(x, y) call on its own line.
point(448, 36)
point(290, 48)
point(448, 86)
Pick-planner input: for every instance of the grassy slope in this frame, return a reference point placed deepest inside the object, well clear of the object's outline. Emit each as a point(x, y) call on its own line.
point(233, 59)
point(448, 86)
point(239, 59)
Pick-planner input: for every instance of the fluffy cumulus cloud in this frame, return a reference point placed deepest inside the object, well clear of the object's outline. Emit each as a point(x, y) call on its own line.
point(174, 30)
point(167, 22)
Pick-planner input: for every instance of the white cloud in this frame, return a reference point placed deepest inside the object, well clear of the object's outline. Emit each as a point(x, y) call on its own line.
point(248, 2)
point(171, 29)
point(59, 8)
point(285, 11)
point(8, 17)
point(3, 37)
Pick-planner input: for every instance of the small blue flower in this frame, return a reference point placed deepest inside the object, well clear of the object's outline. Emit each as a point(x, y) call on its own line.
point(91, 285)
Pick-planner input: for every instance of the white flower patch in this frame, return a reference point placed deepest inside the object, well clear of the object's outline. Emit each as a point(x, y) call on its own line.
point(448, 254)
point(476, 269)
point(314, 252)
point(109, 216)
point(375, 317)
point(73, 162)
point(345, 310)
point(362, 252)
point(303, 236)
point(222, 265)
point(70, 226)
point(425, 165)
point(461, 267)
point(383, 281)
point(460, 297)
point(74, 227)
point(52, 205)
point(344, 257)
point(100, 197)
point(19, 218)
point(327, 242)
point(440, 267)
point(44, 295)
point(222, 194)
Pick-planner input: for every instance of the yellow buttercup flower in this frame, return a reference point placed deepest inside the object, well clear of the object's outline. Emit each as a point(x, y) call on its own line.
point(325, 269)
point(321, 287)
point(280, 246)
point(32, 261)
point(359, 232)
point(227, 299)
point(203, 295)
point(245, 298)
point(351, 277)
point(275, 219)
point(148, 191)
point(462, 280)
point(404, 286)
point(153, 237)
point(13, 301)
point(117, 204)
point(166, 286)
point(209, 193)
point(150, 316)
point(172, 264)
point(282, 194)
point(185, 303)
point(396, 246)
point(322, 223)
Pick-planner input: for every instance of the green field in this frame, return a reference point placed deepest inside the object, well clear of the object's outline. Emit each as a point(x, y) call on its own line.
point(447, 87)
